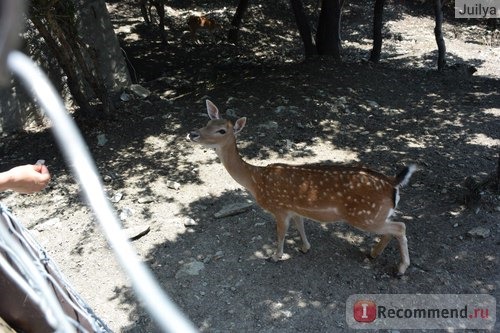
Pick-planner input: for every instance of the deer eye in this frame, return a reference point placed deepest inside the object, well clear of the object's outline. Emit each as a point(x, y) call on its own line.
point(221, 131)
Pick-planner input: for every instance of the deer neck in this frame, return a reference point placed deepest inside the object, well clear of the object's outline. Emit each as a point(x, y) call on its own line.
point(241, 171)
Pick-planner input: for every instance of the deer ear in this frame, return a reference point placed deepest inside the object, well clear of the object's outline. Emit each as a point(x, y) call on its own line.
point(239, 124)
point(212, 110)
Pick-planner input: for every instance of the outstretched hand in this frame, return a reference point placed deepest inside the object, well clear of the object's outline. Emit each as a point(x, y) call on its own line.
point(25, 179)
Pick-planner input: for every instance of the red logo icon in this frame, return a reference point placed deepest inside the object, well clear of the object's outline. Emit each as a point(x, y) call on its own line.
point(365, 311)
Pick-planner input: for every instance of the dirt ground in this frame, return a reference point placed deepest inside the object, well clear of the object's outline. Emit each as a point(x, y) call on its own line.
point(384, 116)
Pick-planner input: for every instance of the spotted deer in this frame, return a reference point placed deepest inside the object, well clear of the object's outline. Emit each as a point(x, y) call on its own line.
point(196, 23)
point(359, 196)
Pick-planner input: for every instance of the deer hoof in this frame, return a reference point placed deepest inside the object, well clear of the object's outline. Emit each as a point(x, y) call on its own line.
point(400, 273)
point(374, 253)
point(274, 258)
point(304, 249)
point(402, 268)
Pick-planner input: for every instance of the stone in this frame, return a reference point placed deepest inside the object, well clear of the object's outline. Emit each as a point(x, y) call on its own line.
point(140, 90)
point(373, 104)
point(192, 268)
point(218, 255)
point(101, 139)
point(479, 232)
point(270, 125)
point(173, 185)
point(280, 109)
point(146, 199)
point(125, 97)
point(116, 197)
point(232, 113)
point(233, 209)
point(136, 232)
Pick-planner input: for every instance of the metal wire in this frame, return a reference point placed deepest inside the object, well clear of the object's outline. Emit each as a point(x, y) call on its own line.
point(163, 310)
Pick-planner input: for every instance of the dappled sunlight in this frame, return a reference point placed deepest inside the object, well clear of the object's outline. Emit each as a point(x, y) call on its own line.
point(414, 142)
point(128, 32)
point(350, 237)
point(279, 311)
point(266, 252)
point(493, 112)
point(298, 304)
point(481, 139)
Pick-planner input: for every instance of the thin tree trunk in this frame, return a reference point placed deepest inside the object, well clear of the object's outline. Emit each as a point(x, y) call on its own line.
point(438, 33)
point(160, 9)
point(377, 30)
point(236, 22)
point(144, 11)
point(304, 28)
point(328, 40)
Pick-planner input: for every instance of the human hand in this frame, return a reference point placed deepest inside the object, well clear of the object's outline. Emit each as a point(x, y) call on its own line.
point(26, 178)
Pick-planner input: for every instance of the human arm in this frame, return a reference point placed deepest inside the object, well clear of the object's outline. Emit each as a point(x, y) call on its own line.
point(25, 178)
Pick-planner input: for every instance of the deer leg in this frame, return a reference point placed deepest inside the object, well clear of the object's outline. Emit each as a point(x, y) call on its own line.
point(378, 248)
point(299, 224)
point(282, 223)
point(398, 230)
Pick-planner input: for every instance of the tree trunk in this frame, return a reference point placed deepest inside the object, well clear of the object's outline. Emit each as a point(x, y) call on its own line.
point(236, 22)
point(160, 10)
point(304, 28)
point(75, 44)
point(64, 28)
point(97, 34)
point(146, 13)
point(377, 30)
point(66, 63)
point(438, 33)
point(328, 41)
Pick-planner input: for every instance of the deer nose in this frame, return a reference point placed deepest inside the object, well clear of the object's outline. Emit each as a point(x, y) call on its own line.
point(193, 136)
